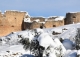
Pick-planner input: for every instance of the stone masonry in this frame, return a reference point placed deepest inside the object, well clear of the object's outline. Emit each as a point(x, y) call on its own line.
point(12, 21)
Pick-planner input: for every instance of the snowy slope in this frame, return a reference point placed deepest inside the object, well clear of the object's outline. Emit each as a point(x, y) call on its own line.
point(10, 46)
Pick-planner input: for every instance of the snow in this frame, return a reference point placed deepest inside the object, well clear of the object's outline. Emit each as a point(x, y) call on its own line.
point(60, 45)
point(27, 20)
point(27, 34)
point(37, 20)
point(15, 50)
point(10, 46)
point(68, 44)
point(45, 40)
point(42, 22)
point(15, 10)
point(38, 30)
point(59, 18)
point(59, 30)
point(74, 12)
point(78, 52)
point(38, 17)
point(71, 53)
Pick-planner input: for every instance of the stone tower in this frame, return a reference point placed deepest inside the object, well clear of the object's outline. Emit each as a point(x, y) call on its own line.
point(73, 17)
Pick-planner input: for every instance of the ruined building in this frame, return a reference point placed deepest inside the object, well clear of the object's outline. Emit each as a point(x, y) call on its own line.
point(12, 21)
point(41, 22)
point(72, 17)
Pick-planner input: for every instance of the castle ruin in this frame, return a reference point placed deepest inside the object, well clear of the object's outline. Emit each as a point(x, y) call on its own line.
point(72, 17)
point(12, 21)
point(42, 22)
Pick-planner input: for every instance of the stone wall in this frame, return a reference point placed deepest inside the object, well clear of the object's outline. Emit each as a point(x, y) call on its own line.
point(50, 24)
point(52, 18)
point(32, 25)
point(11, 21)
point(27, 25)
point(72, 18)
point(47, 24)
point(15, 18)
point(40, 18)
point(35, 25)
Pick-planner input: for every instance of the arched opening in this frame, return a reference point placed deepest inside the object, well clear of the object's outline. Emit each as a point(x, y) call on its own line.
point(41, 27)
point(54, 25)
point(74, 16)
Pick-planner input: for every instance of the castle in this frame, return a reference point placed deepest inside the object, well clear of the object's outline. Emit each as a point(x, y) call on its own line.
point(12, 21)
point(41, 22)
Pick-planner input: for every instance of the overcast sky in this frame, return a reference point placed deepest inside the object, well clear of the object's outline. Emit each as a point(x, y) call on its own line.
point(41, 7)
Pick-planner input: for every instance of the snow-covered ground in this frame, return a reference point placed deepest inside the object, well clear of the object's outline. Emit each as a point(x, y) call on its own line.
point(10, 45)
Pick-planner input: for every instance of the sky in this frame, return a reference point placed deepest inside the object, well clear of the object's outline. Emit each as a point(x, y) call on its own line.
point(42, 7)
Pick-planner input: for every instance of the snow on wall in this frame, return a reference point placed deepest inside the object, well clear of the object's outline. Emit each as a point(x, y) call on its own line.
point(27, 20)
point(37, 20)
point(59, 18)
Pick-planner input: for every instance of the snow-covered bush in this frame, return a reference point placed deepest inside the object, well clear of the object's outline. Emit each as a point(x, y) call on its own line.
point(38, 31)
point(36, 49)
point(55, 46)
point(27, 34)
point(25, 42)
